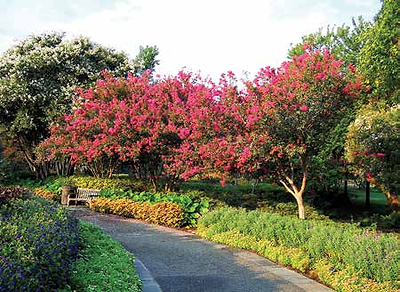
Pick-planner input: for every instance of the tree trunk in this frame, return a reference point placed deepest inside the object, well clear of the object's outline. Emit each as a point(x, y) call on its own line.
point(297, 193)
point(346, 177)
point(393, 200)
point(367, 195)
point(64, 167)
point(254, 185)
point(42, 170)
point(300, 204)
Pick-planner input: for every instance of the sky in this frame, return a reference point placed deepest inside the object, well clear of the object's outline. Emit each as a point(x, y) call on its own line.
point(206, 36)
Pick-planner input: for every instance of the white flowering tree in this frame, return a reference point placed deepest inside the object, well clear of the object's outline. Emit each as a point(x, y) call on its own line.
point(38, 77)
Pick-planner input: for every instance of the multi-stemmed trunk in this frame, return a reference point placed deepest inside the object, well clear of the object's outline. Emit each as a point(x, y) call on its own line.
point(297, 191)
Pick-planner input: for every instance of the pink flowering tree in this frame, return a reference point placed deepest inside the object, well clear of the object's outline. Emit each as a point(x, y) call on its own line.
point(225, 133)
point(134, 121)
point(372, 145)
point(51, 151)
point(303, 100)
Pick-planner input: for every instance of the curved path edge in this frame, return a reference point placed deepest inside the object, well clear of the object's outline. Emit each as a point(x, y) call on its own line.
point(148, 282)
point(172, 260)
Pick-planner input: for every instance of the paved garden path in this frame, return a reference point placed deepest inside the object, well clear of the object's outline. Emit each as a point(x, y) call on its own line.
point(172, 260)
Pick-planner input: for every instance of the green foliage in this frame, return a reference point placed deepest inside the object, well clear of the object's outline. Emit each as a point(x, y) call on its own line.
point(373, 143)
point(103, 264)
point(54, 184)
point(343, 41)
point(38, 244)
point(379, 58)
point(38, 79)
point(244, 194)
point(146, 59)
point(366, 255)
point(51, 184)
point(115, 183)
point(193, 209)
point(162, 213)
point(290, 209)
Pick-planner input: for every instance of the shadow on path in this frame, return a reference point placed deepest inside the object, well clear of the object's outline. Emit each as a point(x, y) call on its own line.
point(181, 262)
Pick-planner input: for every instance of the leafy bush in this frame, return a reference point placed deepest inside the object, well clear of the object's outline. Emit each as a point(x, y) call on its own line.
point(240, 195)
point(199, 196)
point(52, 184)
point(192, 209)
point(103, 264)
point(9, 193)
point(370, 258)
point(46, 194)
point(38, 244)
point(163, 213)
point(290, 209)
point(115, 183)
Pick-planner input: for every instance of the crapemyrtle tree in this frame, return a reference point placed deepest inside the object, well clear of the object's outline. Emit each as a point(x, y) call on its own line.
point(38, 77)
point(346, 43)
point(278, 123)
point(305, 98)
point(133, 121)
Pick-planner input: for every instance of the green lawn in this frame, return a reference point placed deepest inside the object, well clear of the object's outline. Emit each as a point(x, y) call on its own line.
point(379, 203)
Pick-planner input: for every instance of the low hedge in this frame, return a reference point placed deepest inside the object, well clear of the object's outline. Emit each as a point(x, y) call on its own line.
point(193, 208)
point(46, 194)
point(344, 256)
point(163, 213)
point(103, 264)
point(54, 184)
point(38, 242)
point(114, 183)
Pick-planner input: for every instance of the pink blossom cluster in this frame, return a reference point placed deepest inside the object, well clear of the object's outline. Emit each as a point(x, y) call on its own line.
point(195, 126)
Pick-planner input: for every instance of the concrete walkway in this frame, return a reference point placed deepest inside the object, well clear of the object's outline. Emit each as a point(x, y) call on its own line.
point(172, 260)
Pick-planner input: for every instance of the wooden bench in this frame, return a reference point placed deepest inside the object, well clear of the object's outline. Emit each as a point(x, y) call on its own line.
point(83, 195)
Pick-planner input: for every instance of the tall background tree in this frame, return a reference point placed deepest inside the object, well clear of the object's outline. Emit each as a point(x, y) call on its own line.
point(379, 57)
point(344, 41)
point(38, 77)
point(376, 127)
point(373, 146)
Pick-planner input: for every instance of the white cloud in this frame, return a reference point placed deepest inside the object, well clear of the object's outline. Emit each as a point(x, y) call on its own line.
point(207, 35)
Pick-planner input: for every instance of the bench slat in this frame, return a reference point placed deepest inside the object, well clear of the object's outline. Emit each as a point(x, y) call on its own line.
point(84, 195)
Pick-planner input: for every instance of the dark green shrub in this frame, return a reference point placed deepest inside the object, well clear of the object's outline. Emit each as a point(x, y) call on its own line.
point(239, 195)
point(290, 209)
point(199, 196)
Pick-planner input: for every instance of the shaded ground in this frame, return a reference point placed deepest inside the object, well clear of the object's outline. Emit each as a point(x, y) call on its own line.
point(180, 261)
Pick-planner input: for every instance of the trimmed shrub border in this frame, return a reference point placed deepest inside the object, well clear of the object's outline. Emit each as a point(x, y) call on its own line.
point(164, 213)
point(342, 256)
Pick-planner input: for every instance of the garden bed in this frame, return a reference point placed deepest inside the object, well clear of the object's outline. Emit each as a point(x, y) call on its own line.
point(343, 256)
